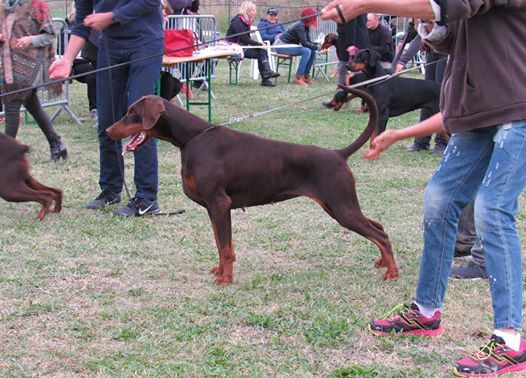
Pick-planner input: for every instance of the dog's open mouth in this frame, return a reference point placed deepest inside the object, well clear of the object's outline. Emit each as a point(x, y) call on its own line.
point(134, 143)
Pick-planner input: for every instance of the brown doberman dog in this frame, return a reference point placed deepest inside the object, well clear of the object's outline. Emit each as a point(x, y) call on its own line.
point(331, 39)
point(17, 184)
point(224, 169)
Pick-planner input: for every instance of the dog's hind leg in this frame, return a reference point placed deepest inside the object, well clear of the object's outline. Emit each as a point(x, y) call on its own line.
point(219, 212)
point(55, 193)
point(23, 193)
point(341, 203)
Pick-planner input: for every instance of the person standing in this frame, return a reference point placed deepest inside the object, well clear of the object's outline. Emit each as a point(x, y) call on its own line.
point(26, 44)
point(483, 107)
point(381, 39)
point(269, 27)
point(352, 37)
point(132, 32)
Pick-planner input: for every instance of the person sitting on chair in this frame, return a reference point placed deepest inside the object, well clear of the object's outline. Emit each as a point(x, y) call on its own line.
point(298, 34)
point(238, 32)
point(269, 27)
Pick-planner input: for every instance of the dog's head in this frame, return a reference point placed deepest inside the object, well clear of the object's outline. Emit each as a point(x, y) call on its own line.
point(138, 122)
point(330, 39)
point(365, 60)
point(341, 96)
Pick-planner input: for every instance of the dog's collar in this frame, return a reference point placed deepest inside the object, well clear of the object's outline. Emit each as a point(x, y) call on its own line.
point(207, 129)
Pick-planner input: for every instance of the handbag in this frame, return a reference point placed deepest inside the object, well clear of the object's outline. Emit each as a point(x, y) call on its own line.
point(179, 42)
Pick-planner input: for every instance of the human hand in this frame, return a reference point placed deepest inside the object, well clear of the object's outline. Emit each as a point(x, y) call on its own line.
point(379, 144)
point(349, 10)
point(399, 67)
point(22, 43)
point(352, 51)
point(99, 21)
point(60, 69)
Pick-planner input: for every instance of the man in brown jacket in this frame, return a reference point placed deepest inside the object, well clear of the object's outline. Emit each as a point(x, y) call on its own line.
point(483, 105)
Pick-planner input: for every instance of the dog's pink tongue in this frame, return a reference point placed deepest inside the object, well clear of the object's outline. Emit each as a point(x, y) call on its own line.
point(134, 142)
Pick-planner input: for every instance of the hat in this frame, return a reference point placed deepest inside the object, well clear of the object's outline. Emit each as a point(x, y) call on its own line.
point(272, 10)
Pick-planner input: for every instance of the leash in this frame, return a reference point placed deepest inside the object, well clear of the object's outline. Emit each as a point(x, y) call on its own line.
point(139, 60)
point(114, 118)
point(371, 82)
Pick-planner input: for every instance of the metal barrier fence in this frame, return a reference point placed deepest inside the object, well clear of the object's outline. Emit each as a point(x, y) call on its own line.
point(205, 28)
point(62, 33)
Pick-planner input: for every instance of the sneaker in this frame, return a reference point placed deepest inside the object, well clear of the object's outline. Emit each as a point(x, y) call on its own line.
point(469, 271)
point(105, 198)
point(494, 358)
point(267, 83)
point(138, 207)
point(407, 320)
point(417, 148)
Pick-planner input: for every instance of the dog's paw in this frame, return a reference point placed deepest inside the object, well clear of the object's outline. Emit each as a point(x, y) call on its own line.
point(216, 271)
point(223, 280)
point(391, 274)
point(379, 263)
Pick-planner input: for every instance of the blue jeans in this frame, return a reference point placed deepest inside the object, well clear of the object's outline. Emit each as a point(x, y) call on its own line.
point(487, 165)
point(306, 60)
point(116, 91)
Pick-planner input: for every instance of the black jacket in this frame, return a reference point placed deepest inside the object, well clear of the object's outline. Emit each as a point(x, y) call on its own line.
point(352, 33)
point(237, 25)
point(298, 33)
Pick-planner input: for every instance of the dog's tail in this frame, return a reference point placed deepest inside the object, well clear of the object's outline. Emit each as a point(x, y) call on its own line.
point(371, 126)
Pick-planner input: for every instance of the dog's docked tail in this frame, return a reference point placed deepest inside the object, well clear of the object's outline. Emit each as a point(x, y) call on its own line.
point(371, 125)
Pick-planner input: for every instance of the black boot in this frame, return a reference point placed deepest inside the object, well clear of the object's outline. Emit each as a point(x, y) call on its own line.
point(264, 69)
point(58, 149)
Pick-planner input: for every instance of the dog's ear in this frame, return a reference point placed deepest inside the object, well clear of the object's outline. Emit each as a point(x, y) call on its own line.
point(152, 108)
point(374, 57)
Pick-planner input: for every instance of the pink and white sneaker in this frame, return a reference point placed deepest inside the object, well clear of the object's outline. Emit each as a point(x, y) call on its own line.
point(407, 320)
point(493, 358)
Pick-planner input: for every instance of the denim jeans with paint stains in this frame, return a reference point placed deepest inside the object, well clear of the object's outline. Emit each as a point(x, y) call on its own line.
point(488, 165)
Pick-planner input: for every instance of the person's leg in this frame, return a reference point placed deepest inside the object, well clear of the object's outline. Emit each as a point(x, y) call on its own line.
point(466, 234)
point(111, 95)
point(454, 184)
point(310, 61)
point(34, 107)
point(452, 187)
point(142, 81)
point(495, 209)
point(12, 115)
point(56, 146)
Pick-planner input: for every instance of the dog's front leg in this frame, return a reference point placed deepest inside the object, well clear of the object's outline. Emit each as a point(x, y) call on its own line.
point(219, 212)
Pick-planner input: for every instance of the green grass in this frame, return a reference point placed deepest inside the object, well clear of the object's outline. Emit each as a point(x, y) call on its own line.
point(86, 294)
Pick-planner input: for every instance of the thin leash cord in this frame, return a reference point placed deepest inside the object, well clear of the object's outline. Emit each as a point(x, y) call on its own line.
point(114, 119)
point(371, 82)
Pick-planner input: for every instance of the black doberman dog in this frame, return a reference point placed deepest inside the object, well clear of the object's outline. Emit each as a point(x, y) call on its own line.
point(395, 96)
point(224, 169)
point(17, 184)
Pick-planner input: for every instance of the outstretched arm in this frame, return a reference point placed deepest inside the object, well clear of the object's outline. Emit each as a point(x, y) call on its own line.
point(352, 8)
point(382, 142)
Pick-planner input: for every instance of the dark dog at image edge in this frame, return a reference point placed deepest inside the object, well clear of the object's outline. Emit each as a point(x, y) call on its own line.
point(17, 184)
point(224, 169)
